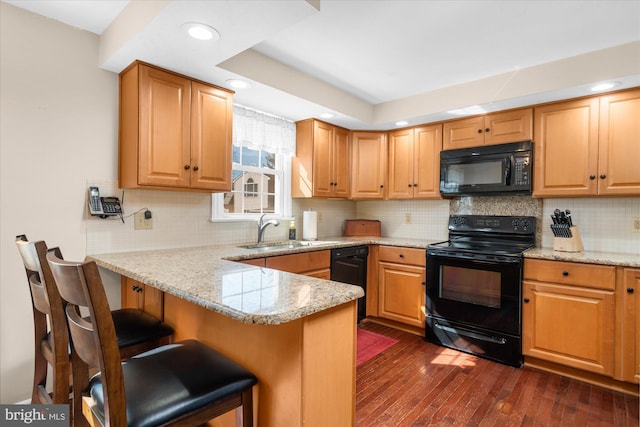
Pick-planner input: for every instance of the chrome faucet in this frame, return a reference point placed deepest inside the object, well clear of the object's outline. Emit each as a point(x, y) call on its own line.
point(263, 224)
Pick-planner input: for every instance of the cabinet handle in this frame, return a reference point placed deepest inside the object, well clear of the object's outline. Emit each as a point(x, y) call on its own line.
point(424, 283)
point(415, 185)
point(136, 288)
point(487, 130)
point(630, 290)
point(526, 300)
point(603, 176)
point(195, 168)
point(401, 256)
point(592, 177)
point(479, 130)
point(565, 273)
point(381, 186)
point(410, 185)
point(187, 167)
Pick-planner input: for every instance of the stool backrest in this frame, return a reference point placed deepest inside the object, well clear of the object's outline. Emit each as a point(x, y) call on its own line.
point(94, 344)
point(51, 339)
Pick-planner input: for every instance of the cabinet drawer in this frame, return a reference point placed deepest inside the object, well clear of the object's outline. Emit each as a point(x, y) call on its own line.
point(570, 273)
point(403, 255)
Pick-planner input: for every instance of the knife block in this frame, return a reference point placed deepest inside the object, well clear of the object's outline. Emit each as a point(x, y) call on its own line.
point(569, 244)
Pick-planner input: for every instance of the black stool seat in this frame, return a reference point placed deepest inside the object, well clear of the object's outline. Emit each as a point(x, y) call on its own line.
point(134, 327)
point(165, 383)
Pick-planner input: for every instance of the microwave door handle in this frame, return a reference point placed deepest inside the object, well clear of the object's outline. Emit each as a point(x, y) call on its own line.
point(507, 170)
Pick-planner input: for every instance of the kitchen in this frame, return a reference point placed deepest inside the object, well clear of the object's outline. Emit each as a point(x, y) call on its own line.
point(72, 145)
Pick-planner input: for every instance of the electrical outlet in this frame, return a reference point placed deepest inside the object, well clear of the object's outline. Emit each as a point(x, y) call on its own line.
point(140, 222)
point(407, 218)
point(635, 224)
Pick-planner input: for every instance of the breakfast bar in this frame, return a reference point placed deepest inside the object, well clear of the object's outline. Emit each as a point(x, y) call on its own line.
point(297, 334)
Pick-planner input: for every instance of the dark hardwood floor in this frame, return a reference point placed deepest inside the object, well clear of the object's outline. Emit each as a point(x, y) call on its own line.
point(415, 383)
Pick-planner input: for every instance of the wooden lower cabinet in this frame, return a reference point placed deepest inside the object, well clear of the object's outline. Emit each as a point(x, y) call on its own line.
point(315, 264)
point(258, 262)
point(146, 298)
point(306, 368)
point(401, 282)
point(583, 321)
point(628, 368)
point(569, 325)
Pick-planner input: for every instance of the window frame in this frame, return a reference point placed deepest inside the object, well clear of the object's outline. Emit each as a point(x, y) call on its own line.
point(283, 201)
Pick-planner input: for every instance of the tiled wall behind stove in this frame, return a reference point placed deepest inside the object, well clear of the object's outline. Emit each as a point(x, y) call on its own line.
point(181, 219)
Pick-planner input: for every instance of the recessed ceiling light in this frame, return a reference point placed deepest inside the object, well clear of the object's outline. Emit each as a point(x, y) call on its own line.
point(474, 109)
point(402, 123)
point(238, 84)
point(604, 86)
point(326, 115)
point(201, 31)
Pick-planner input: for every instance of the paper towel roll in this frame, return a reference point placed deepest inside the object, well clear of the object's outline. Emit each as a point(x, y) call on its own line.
point(309, 225)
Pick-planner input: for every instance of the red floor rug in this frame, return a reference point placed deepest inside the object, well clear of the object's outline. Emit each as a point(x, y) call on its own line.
point(370, 344)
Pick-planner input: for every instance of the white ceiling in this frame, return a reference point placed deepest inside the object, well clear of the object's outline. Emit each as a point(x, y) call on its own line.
point(373, 62)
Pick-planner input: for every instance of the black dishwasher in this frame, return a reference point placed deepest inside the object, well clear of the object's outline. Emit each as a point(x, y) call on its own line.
point(349, 265)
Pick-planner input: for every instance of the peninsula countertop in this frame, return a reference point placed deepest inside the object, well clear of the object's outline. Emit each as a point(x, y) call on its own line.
point(209, 276)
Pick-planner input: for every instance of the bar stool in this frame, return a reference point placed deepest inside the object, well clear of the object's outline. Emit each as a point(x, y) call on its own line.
point(136, 330)
point(185, 383)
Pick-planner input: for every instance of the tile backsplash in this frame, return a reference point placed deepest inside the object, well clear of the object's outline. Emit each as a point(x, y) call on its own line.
point(181, 219)
point(605, 223)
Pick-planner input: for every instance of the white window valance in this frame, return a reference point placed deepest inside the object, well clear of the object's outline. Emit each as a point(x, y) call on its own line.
point(263, 131)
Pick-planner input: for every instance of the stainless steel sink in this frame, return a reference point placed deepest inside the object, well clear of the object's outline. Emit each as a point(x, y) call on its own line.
point(268, 246)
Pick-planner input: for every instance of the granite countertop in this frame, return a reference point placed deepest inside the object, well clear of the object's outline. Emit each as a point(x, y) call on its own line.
point(209, 277)
point(588, 257)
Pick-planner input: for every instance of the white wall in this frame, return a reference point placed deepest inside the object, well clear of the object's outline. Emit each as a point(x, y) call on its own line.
point(58, 126)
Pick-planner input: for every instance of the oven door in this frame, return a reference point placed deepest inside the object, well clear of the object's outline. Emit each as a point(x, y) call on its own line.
point(482, 291)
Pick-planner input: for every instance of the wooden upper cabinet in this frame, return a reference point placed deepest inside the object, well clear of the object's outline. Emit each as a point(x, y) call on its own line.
point(496, 128)
point(368, 165)
point(175, 133)
point(588, 147)
point(619, 144)
point(414, 163)
point(566, 147)
point(321, 165)
point(211, 124)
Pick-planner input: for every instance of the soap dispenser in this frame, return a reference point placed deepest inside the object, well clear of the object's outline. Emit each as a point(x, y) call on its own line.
point(292, 230)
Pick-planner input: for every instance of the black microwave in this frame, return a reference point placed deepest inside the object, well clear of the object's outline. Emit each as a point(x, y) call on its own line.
point(487, 170)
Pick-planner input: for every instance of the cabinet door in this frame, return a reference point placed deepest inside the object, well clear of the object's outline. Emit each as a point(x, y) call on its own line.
point(164, 130)
point(630, 346)
point(619, 144)
point(401, 173)
point(146, 298)
point(463, 133)
point(341, 162)
point(511, 126)
point(368, 165)
point(566, 149)
point(322, 159)
point(211, 122)
point(427, 145)
point(570, 325)
point(401, 293)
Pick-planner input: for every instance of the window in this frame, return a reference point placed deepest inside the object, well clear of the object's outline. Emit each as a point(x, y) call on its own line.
point(261, 176)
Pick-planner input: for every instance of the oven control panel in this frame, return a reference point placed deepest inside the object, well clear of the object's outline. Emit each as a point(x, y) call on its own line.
point(493, 223)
